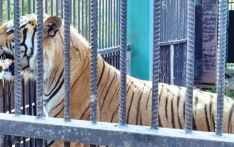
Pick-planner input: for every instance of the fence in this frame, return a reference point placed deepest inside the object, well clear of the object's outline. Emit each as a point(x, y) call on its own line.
point(173, 42)
point(108, 43)
point(230, 53)
point(111, 133)
point(108, 33)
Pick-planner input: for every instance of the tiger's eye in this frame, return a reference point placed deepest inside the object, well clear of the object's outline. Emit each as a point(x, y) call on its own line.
point(10, 32)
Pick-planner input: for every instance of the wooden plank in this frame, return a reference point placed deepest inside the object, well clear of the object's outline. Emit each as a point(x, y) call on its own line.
point(209, 41)
point(198, 45)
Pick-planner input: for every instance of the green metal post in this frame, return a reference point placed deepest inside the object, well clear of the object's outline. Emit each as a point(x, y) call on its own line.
point(198, 2)
point(139, 35)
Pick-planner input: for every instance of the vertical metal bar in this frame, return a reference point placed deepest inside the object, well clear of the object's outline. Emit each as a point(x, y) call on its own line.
point(99, 24)
point(1, 5)
point(24, 95)
point(67, 22)
point(172, 64)
point(78, 16)
point(34, 5)
point(17, 141)
point(34, 97)
point(114, 17)
point(178, 19)
point(123, 53)
point(8, 9)
point(4, 105)
point(189, 66)
point(118, 22)
point(30, 101)
point(162, 21)
point(111, 24)
point(86, 19)
point(22, 7)
point(89, 16)
point(103, 22)
point(93, 57)
point(39, 60)
point(4, 93)
point(46, 6)
point(11, 100)
point(29, 6)
point(57, 7)
point(51, 7)
point(17, 67)
point(82, 17)
point(106, 24)
point(39, 65)
point(61, 7)
point(156, 64)
point(10, 97)
point(221, 59)
point(74, 13)
point(24, 98)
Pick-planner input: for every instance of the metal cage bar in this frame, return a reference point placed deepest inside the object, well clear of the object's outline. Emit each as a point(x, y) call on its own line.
point(220, 65)
point(1, 6)
point(58, 129)
point(93, 58)
point(39, 60)
point(46, 6)
point(51, 7)
point(61, 7)
point(29, 6)
point(67, 23)
point(17, 67)
point(123, 55)
point(189, 66)
point(22, 7)
point(8, 10)
point(57, 7)
point(39, 65)
point(156, 64)
point(34, 6)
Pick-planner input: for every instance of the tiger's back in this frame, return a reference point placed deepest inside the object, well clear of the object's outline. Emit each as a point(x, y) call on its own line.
point(171, 103)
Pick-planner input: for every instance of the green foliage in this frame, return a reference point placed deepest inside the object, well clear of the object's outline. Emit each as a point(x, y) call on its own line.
point(228, 92)
point(11, 11)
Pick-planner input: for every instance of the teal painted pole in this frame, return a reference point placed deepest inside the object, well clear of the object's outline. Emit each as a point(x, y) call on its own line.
point(139, 34)
point(197, 2)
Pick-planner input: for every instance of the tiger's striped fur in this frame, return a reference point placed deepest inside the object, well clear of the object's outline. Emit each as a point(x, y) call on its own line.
point(138, 100)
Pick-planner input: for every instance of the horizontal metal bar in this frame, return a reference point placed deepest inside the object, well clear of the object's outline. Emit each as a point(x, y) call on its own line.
point(107, 133)
point(109, 50)
point(173, 42)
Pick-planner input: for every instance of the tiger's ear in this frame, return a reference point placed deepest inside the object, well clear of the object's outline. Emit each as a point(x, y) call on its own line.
point(51, 25)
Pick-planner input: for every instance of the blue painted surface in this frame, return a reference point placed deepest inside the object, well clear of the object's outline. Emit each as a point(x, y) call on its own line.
point(139, 35)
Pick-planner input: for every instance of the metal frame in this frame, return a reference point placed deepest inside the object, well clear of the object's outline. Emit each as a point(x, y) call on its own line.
point(120, 134)
point(107, 133)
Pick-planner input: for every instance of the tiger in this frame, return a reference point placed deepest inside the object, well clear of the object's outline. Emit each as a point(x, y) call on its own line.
point(138, 92)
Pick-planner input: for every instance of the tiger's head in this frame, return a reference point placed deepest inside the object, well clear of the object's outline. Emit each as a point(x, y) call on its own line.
point(53, 55)
point(28, 41)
